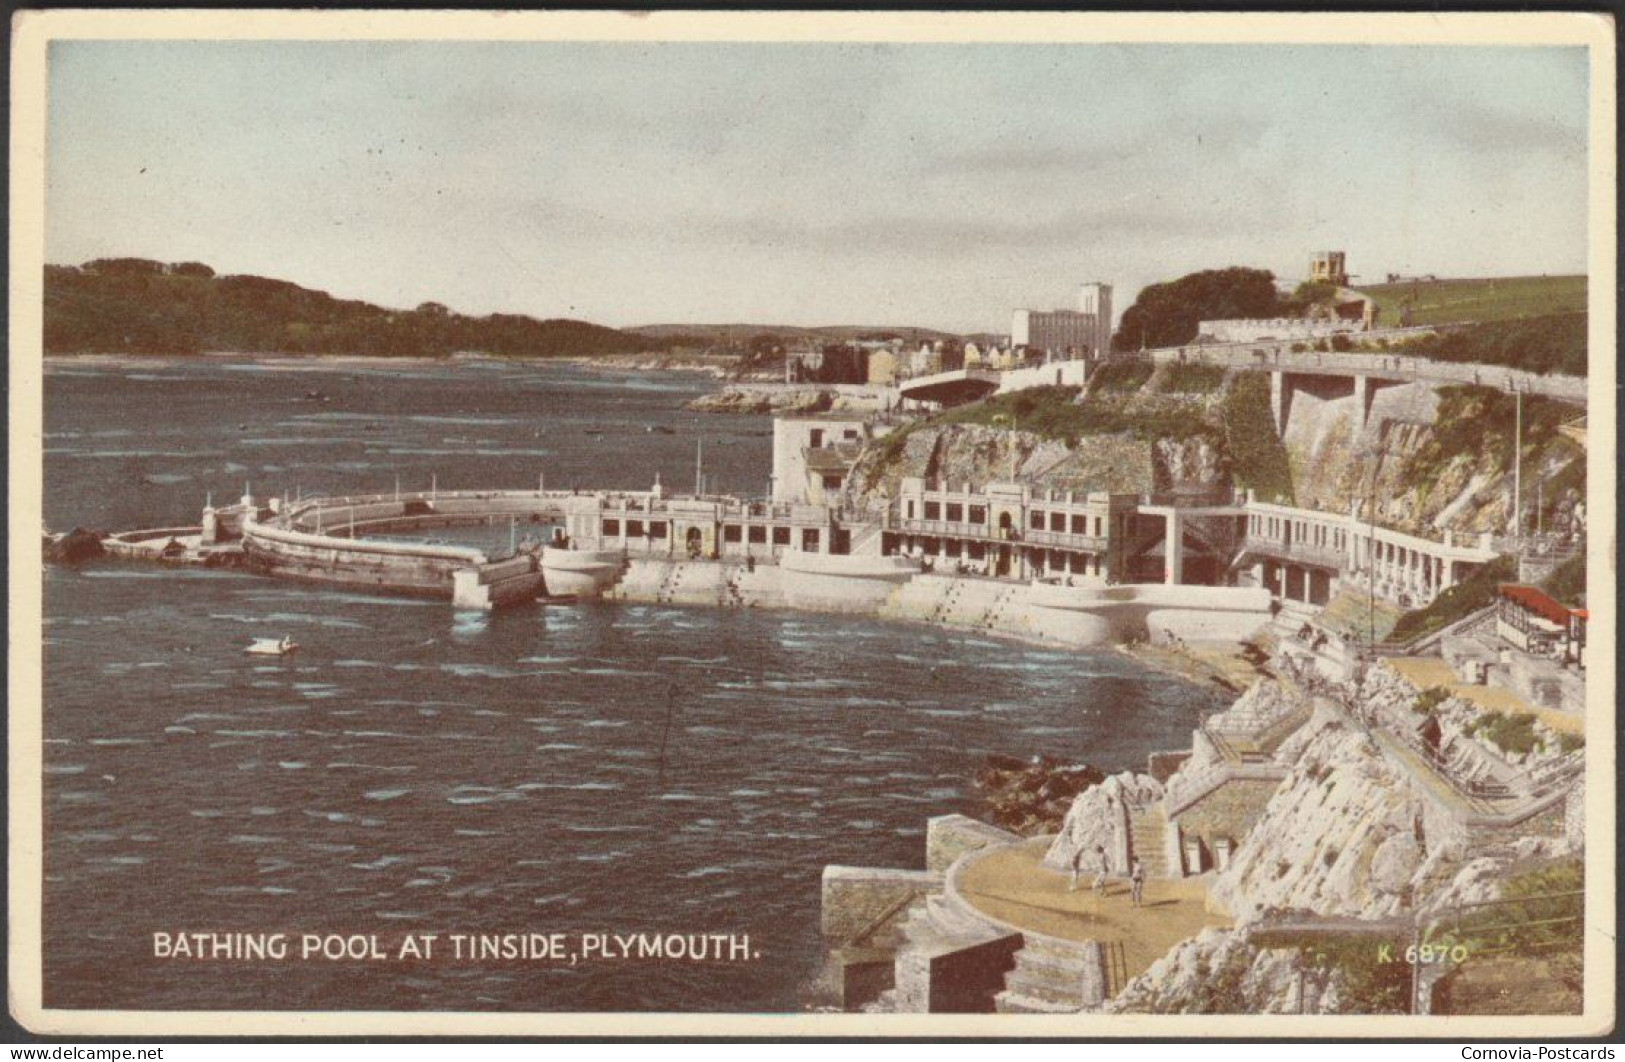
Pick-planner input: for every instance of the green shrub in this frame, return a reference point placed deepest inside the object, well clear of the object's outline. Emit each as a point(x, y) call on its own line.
point(1258, 458)
point(1184, 378)
point(1541, 918)
point(1120, 377)
point(1512, 733)
point(1466, 597)
point(1567, 583)
point(1055, 413)
point(1550, 344)
point(1429, 700)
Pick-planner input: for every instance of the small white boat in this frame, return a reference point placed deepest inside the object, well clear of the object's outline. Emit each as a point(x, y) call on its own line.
point(272, 646)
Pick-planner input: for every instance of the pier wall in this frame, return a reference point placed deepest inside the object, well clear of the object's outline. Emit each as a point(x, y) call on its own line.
point(827, 582)
point(363, 563)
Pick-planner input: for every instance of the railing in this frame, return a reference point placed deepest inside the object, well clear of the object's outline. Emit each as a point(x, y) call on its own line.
point(1014, 536)
point(1320, 556)
point(1207, 499)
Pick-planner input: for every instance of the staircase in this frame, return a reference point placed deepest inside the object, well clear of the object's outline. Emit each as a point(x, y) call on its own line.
point(668, 585)
point(949, 961)
point(946, 602)
point(866, 541)
point(995, 611)
point(729, 596)
point(1148, 831)
point(1053, 976)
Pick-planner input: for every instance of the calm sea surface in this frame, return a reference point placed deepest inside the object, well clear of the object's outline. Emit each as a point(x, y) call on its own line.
point(603, 768)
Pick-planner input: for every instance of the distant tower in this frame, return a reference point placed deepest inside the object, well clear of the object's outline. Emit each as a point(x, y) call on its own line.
point(1095, 298)
point(1327, 267)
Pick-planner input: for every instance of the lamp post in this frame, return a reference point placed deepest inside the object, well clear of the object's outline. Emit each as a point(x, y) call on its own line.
point(1517, 463)
point(1371, 552)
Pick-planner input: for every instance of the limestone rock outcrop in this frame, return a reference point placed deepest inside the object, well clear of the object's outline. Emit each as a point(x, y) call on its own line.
point(1096, 821)
point(1314, 846)
point(978, 455)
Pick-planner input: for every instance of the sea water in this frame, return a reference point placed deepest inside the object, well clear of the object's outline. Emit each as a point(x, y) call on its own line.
point(598, 773)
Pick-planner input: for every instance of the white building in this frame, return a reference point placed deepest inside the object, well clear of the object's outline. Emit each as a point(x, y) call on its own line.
point(1087, 331)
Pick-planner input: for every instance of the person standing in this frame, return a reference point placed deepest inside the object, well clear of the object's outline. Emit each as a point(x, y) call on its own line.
point(1077, 869)
point(1136, 882)
point(1102, 868)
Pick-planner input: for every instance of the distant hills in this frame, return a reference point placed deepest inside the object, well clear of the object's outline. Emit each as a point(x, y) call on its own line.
point(742, 335)
point(142, 306)
point(139, 306)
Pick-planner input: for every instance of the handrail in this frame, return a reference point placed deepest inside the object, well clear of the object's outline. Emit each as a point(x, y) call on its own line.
point(886, 915)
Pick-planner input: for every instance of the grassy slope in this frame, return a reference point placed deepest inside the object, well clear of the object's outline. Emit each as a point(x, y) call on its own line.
point(1490, 299)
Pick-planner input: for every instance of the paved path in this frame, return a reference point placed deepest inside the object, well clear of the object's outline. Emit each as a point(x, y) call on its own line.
point(1012, 886)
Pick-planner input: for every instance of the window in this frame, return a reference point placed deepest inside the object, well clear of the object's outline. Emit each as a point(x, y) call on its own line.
point(809, 539)
point(757, 534)
point(730, 532)
point(956, 512)
point(978, 514)
point(933, 510)
point(781, 536)
point(832, 481)
point(612, 528)
point(657, 529)
point(816, 439)
point(910, 509)
point(1080, 524)
point(1036, 520)
point(952, 548)
point(850, 434)
point(634, 529)
point(1057, 521)
point(975, 550)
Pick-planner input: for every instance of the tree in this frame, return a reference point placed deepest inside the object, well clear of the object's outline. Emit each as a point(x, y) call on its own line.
point(1167, 314)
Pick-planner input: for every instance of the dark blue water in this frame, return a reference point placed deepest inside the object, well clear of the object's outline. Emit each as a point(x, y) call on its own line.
point(605, 768)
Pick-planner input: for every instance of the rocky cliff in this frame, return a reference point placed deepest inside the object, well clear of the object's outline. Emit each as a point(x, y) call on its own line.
point(976, 454)
point(1434, 458)
point(1346, 835)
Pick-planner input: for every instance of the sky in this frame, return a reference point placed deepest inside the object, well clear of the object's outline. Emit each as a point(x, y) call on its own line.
point(933, 185)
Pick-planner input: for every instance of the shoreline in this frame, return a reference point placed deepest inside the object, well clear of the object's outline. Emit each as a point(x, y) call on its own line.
point(609, 363)
point(1209, 666)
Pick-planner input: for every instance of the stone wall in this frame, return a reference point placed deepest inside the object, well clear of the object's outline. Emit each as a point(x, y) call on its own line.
point(1229, 812)
point(853, 898)
point(947, 837)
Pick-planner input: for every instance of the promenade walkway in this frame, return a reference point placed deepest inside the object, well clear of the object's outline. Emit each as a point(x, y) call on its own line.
point(1011, 886)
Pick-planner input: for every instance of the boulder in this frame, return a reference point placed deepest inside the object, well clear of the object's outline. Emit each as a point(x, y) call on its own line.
point(75, 547)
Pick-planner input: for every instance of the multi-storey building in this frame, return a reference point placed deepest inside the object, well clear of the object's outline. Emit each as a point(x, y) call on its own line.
point(1085, 332)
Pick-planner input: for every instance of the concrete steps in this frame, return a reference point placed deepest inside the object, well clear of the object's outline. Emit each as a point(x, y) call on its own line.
point(936, 928)
point(1052, 977)
point(1148, 831)
point(1012, 1002)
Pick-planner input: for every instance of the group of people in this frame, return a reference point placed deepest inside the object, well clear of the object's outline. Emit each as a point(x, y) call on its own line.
point(1136, 875)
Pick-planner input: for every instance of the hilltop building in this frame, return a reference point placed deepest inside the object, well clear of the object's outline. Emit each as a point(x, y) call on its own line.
point(1348, 311)
point(1329, 267)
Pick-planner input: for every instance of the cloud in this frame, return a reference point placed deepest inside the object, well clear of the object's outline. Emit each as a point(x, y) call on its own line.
point(1099, 147)
point(1482, 128)
point(958, 233)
